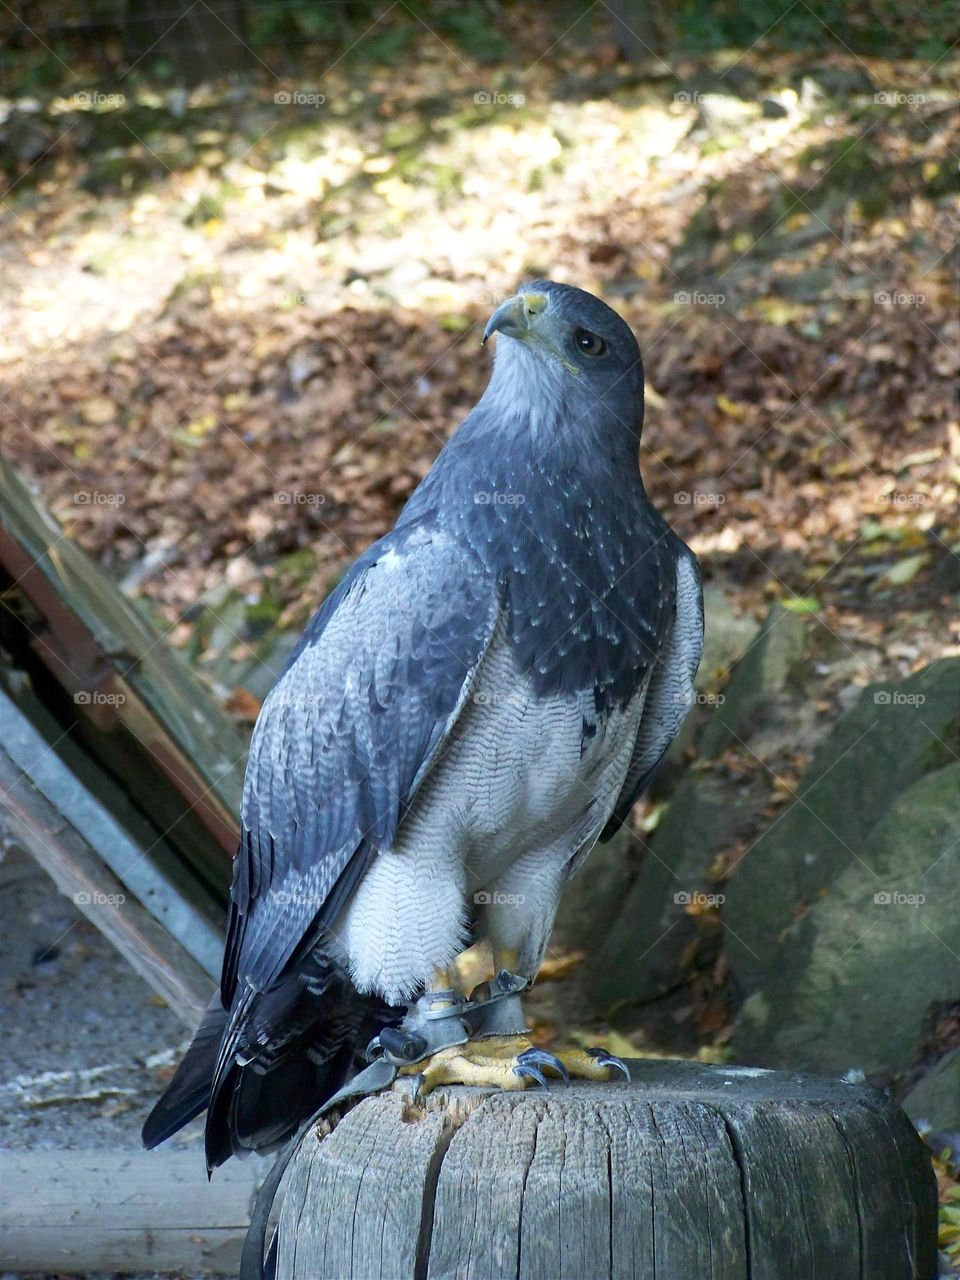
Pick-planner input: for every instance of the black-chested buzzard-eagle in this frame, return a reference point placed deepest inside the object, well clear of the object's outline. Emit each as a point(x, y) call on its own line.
point(483, 697)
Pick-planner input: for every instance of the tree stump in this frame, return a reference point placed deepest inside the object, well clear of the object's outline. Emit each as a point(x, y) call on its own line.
point(689, 1173)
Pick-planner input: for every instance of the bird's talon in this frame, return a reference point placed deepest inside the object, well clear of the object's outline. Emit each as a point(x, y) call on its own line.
point(527, 1072)
point(534, 1057)
point(607, 1059)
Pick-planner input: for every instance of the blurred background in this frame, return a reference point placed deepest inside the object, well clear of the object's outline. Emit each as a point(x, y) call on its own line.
point(250, 246)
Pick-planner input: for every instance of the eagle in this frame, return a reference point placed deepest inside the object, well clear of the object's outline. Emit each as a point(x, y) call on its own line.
point(483, 697)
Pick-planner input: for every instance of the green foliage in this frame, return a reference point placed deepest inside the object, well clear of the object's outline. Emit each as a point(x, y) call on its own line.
point(882, 27)
point(473, 27)
point(89, 36)
point(387, 36)
point(282, 23)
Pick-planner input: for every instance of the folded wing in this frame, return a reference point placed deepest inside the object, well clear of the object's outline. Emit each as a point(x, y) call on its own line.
point(670, 693)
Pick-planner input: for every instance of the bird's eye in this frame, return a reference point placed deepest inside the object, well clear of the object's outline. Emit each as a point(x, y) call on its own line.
point(591, 344)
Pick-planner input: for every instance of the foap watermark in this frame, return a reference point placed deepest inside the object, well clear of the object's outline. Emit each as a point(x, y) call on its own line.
point(897, 498)
point(93, 898)
point(484, 98)
point(498, 498)
point(897, 698)
point(883, 298)
point(94, 98)
point(491, 298)
point(894, 898)
point(688, 97)
point(494, 898)
point(694, 898)
point(95, 698)
point(698, 498)
point(299, 498)
point(895, 98)
point(697, 698)
point(697, 299)
point(296, 898)
point(510, 698)
point(299, 98)
point(98, 498)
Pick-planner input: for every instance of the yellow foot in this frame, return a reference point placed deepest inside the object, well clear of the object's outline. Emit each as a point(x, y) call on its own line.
point(511, 1062)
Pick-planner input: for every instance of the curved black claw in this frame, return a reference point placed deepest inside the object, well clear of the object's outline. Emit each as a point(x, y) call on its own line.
point(540, 1058)
point(607, 1059)
point(526, 1071)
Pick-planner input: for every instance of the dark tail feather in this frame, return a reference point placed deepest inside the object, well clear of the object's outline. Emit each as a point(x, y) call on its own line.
point(255, 1110)
point(188, 1092)
point(285, 1050)
point(269, 1063)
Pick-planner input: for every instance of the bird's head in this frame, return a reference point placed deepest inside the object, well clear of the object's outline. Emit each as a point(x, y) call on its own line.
point(563, 345)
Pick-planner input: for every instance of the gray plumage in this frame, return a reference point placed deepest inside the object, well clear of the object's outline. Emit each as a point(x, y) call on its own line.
point(487, 691)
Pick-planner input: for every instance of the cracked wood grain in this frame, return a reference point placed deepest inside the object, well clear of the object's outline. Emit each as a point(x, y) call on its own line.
point(690, 1171)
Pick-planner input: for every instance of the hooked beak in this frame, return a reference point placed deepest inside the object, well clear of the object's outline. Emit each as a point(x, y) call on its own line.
point(515, 316)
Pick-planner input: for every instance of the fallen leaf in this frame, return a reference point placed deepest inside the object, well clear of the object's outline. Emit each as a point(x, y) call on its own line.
point(802, 604)
point(242, 704)
point(98, 411)
point(904, 571)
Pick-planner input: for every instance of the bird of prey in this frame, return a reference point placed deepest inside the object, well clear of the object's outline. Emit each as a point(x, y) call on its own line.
point(482, 698)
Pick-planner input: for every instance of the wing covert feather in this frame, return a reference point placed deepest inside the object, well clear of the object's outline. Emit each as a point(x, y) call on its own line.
point(346, 737)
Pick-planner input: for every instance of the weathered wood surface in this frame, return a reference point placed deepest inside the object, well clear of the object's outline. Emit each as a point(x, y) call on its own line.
point(29, 821)
point(133, 854)
point(129, 695)
point(689, 1173)
point(74, 1212)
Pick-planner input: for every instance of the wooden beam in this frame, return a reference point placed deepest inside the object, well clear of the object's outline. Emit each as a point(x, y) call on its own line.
point(94, 643)
point(29, 754)
point(74, 1212)
point(29, 820)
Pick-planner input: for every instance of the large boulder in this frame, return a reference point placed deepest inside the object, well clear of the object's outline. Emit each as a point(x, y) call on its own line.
point(861, 975)
point(892, 738)
point(935, 1098)
point(769, 670)
point(728, 635)
point(594, 894)
point(637, 958)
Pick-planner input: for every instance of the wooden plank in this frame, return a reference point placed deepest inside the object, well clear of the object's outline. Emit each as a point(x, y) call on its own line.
point(140, 874)
point(892, 1238)
point(568, 1168)
point(28, 820)
point(632, 1186)
point(73, 1212)
point(696, 1204)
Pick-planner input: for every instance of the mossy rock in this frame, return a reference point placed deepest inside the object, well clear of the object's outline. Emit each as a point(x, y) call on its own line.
point(637, 958)
point(859, 975)
point(935, 1099)
point(772, 665)
point(891, 738)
